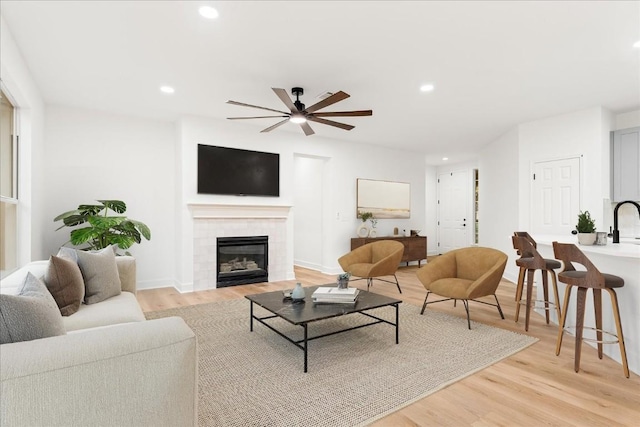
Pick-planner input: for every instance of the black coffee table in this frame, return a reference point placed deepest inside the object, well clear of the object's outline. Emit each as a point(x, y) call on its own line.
point(303, 313)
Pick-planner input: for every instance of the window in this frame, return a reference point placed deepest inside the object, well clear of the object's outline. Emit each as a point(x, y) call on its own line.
point(8, 185)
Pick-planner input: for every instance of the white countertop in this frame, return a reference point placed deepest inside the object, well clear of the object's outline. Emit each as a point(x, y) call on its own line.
point(623, 249)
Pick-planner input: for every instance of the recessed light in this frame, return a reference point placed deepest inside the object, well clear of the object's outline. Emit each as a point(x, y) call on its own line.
point(427, 88)
point(637, 44)
point(208, 12)
point(445, 158)
point(167, 89)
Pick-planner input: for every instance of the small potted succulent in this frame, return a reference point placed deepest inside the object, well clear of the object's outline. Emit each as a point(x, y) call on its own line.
point(343, 280)
point(586, 228)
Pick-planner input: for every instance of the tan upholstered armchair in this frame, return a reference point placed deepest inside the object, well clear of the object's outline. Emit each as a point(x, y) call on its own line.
point(464, 274)
point(374, 260)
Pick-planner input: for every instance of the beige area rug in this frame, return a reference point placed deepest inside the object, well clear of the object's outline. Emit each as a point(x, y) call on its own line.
point(256, 378)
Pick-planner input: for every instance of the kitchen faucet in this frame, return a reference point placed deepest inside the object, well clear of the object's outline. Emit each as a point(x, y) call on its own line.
point(616, 232)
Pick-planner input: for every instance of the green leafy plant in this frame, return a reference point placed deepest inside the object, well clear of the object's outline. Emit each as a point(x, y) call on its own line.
point(585, 223)
point(364, 216)
point(344, 276)
point(103, 229)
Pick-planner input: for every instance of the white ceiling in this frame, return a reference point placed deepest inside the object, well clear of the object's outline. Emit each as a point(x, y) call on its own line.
point(494, 64)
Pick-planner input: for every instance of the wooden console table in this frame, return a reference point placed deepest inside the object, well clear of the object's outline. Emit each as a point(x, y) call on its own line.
point(415, 248)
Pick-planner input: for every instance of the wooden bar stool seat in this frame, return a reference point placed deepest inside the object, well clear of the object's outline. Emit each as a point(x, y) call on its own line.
point(592, 279)
point(530, 261)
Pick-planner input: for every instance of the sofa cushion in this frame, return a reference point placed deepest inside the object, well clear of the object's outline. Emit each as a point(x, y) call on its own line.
point(100, 273)
point(29, 315)
point(122, 308)
point(64, 280)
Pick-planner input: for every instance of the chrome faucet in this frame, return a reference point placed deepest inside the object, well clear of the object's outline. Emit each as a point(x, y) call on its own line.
point(616, 232)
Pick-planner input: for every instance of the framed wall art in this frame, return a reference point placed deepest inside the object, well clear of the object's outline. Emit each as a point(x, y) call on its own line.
point(384, 199)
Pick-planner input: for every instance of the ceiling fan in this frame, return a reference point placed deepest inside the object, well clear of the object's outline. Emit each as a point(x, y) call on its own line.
point(301, 115)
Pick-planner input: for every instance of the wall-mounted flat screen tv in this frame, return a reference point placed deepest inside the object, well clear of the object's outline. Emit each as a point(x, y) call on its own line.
point(232, 171)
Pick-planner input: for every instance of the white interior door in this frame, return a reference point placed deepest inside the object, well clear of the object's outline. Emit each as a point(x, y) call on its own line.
point(455, 219)
point(556, 196)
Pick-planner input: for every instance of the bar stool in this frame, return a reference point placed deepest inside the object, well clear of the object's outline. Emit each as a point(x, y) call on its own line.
point(593, 279)
point(530, 261)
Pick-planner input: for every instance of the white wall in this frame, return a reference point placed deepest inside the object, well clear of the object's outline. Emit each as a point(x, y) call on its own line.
point(345, 162)
point(17, 79)
point(308, 211)
point(626, 120)
point(499, 190)
point(577, 134)
point(93, 155)
point(431, 209)
point(628, 219)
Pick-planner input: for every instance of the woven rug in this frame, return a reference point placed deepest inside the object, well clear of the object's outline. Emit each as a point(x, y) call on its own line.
point(256, 378)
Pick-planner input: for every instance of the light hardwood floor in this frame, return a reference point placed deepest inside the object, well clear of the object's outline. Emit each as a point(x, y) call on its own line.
point(531, 388)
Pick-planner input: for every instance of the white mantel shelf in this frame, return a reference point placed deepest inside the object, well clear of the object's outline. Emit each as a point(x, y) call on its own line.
point(213, 210)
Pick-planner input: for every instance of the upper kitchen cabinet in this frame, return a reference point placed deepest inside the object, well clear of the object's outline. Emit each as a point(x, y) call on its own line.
point(625, 167)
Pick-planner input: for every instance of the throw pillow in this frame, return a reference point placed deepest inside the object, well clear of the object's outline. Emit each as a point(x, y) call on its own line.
point(68, 253)
point(64, 280)
point(100, 273)
point(30, 315)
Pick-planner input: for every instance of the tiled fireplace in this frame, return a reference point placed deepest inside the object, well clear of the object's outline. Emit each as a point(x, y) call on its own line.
point(212, 221)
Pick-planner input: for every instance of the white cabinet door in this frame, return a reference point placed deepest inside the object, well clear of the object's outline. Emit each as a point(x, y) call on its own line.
point(625, 168)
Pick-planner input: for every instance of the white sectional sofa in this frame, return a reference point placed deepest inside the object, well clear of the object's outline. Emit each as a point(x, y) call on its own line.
point(111, 368)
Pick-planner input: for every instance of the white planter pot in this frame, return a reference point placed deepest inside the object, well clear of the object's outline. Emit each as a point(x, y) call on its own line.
point(363, 230)
point(586, 239)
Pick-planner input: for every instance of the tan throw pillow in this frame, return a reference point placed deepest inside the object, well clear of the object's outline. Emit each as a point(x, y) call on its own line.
point(30, 315)
point(64, 280)
point(100, 273)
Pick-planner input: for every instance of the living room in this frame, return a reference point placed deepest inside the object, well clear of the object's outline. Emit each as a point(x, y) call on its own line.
point(74, 150)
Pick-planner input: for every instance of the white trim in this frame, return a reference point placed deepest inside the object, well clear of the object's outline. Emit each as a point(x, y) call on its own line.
point(212, 210)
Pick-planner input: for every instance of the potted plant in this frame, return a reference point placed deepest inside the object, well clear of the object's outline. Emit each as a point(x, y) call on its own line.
point(102, 229)
point(343, 280)
point(586, 228)
point(363, 230)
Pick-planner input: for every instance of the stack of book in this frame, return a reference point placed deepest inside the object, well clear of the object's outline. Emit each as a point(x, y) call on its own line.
point(334, 295)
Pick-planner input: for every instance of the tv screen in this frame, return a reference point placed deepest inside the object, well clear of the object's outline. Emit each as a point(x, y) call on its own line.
point(233, 171)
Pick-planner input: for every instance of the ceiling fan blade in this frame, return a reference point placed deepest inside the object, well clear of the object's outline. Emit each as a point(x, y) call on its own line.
point(270, 128)
point(306, 128)
point(284, 97)
point(330, 123)
point(242, 104)
point(345, 113)
point(336, 97)
point(257, 117)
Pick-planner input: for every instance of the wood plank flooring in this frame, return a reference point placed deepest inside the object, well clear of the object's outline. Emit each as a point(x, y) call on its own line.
point(534, 387)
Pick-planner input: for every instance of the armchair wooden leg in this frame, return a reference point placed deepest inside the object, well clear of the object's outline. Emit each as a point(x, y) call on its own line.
point(466, 307)
point(425, 302)
point(498, 305)
point(369, 282)
point(397, 284)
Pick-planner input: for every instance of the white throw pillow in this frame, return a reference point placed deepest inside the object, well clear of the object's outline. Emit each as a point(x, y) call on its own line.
point(100, 273)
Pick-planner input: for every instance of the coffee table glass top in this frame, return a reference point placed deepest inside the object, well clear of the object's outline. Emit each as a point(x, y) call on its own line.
point(308, 311)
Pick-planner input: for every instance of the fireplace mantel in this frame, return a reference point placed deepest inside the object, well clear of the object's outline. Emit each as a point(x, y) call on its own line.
point(213, 210)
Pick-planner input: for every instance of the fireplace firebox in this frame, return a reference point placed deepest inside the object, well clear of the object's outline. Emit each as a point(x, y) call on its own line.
point(242, 260)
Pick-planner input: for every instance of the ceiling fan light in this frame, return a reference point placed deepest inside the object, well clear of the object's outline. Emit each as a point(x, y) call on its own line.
point(297, 119)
